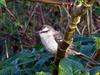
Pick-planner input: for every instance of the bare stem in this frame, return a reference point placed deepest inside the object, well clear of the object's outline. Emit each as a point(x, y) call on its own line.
point(88, 22)
point(7, 55)
point(30, 17)
point(42, 15)
point(10, 13)
point(51, 2)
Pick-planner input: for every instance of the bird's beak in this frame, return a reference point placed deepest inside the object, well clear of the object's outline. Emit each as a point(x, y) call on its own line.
point(37, 32)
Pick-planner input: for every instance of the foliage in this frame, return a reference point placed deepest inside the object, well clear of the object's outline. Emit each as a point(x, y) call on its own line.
point(97, 10)
point(97, 40)
point(24, 62)
point(95, 70)
point(38, 62)
point(70, 67)
point(2, 3)
point(26, 55)
point(42, 73)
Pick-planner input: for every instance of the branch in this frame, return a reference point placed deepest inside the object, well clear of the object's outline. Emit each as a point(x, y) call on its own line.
point(51, 2)
point(96, 31)
point(96, 57)
point(76, 13)
point(81, 9)
point(10, 13)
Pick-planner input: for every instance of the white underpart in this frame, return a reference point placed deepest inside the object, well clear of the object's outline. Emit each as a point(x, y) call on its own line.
point(49, 42)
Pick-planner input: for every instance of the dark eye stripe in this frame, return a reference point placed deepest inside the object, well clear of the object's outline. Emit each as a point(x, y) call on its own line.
point(44, 31)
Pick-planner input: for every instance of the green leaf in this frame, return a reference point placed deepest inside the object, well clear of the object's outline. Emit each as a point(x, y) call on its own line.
point(38, 46)
point(6, 69)
point(97, 10)
point(97, 40)
point(25, 60)
point(13, 64)
point(70, 67)
point(20, 55)
point(95, 70)
point(42, 73)
point(2, 3)
point(39, 64)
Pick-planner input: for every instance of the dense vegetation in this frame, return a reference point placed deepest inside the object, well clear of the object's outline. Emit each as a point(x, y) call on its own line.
point(21, 51)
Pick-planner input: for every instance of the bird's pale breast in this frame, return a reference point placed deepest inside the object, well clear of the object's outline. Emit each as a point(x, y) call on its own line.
point(50, 44)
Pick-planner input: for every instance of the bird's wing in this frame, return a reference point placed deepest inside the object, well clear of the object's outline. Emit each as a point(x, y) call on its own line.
point(58, 36)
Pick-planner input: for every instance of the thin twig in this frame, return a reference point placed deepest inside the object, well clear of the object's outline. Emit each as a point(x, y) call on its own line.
point(6, 47)
point(30, 17)
point(96, 31)
point(83, 29)
point(10, 13)
point(45, 15)
point(66, 11)
point(91, 20)
point(61, 15)
point(42, 15)
point(88, 22)
point(51, 2)
point(20, 41)
point(78, 30)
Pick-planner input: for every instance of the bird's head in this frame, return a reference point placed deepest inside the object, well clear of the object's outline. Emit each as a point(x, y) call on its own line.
point(46, 30)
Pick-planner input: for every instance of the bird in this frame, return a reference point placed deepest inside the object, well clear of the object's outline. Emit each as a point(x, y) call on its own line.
point(47, 38)
point(50, 38)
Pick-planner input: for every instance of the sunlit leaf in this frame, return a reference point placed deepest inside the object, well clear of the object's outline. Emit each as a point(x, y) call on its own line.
point(42, 73)
point(97, 40)
point(2, 3)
